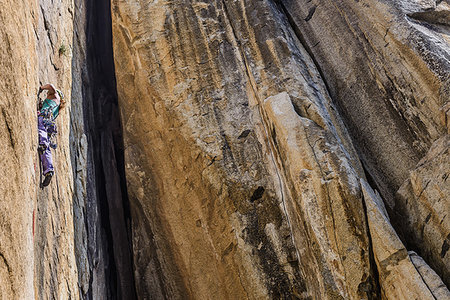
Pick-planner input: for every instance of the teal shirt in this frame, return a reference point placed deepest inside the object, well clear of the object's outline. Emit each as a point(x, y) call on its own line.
point(51, 106)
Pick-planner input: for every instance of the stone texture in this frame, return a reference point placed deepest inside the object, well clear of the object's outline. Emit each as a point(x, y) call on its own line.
point(70, 255)
point(431, 279)
point(387, 71)
point(324, 203)
point(424, 199)
point(229, 196)
point(242, 181)
point(39, 266)
point(386, 66)
point(55, 267)
point(401, 277)
point(17, 124)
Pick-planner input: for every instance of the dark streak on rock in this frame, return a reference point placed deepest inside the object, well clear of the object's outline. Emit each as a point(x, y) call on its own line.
point(6, 263)
point(228, 250)
point(11, 139)
point(311, 12)
point(393, 260)
point(445, 246)
point(244, 134)
point(9, 272)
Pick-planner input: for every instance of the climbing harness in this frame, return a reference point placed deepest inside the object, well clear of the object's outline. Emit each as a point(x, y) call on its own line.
point(48, 119)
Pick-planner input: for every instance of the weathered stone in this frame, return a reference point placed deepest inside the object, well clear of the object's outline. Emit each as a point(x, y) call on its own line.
point(324, 203)
point(385, 69)
point(18, 151)
point(242, 181)
point(424, 200)
point(399, 276)
point(36, 239)
point(216, 192)
point(429, 276)
point(386, 65)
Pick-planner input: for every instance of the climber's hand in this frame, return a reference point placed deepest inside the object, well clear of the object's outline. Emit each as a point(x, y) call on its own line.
point(40, 90)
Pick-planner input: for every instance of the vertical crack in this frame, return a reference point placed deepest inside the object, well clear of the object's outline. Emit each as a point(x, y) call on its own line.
point(8, 268)
point(11, 139)
point(283, 10)
point(265, 126)
point(104, 130)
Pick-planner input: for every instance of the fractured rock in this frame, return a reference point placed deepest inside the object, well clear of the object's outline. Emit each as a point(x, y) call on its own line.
point(399, 276)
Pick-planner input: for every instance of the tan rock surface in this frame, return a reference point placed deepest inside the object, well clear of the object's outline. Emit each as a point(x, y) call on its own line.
point(400, 276)
point(242, 181)
point(216, 191)
point(386, 65)
point(387, 68)
point(324, 202)
point(17, 120)
point(425, 200)
point(429, 276)
point(43, 266)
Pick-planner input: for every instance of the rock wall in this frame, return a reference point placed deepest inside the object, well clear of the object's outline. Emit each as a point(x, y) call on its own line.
point(56, 242)
point(386, 64)
point(17, 201)
point(227, 150)
point(243, 179)
point(55, 272)
point(36, 239)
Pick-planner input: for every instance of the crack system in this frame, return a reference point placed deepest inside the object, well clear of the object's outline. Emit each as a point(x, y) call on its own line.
point(104, 131)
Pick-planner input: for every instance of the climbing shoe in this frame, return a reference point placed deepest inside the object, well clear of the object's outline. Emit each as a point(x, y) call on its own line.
point(47, 178)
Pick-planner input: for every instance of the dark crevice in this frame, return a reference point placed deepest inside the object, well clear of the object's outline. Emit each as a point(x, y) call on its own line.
point(373, 266)
point(432, 17)
point(283, 10)
point(257, 194)
point(104, 132)
point(244, 134)
point(11, 139)
point(445, 246)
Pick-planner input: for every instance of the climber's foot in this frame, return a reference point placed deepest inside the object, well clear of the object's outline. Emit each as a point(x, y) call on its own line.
point(47, 179)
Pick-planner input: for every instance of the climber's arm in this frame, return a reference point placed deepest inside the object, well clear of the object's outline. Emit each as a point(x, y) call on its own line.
point(48, 87)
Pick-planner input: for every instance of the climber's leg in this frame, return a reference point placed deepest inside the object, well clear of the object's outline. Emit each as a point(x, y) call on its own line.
point(46, 159)
point(43, 136)
point(44, 150)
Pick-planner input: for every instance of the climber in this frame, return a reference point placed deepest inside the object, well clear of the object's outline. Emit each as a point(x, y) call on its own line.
point(48, 110)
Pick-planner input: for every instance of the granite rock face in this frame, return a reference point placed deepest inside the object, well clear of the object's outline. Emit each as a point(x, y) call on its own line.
point(424, 200)
point(232, 197)
point(386, 67)
point(243, 179)
point(227, 149)
point(386, 64)
point(402, 275)
point(36, 234)
point(55, 243)
point(16, 209)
